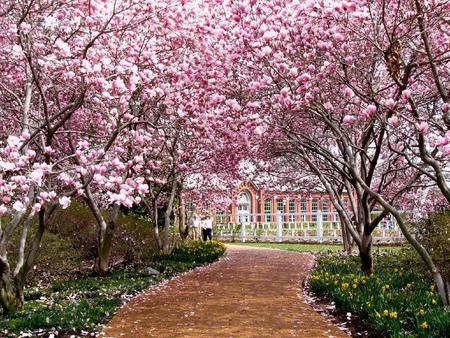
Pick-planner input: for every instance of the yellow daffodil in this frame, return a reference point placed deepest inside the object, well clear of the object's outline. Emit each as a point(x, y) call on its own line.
point(393, 314)
point(422, 312)
point(386, 313)
point(424, 325)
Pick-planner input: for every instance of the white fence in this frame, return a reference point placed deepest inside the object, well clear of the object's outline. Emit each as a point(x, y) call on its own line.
point(283, 227)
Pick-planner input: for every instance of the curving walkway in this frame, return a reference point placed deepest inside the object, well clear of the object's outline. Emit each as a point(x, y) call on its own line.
point(250, 293)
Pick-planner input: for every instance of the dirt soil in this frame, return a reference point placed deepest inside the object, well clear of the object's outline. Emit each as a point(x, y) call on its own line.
point(252, 292)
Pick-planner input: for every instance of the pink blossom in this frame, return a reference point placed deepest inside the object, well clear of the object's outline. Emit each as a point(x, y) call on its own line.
point(442, 141)
point(13, 141)
point(446, 107)
point(339, 37)
point(37, 207)
point(305, 77)
point(3, 210)
point(64, 201)
point(25, 135)
point(269, 35)
point(422, 127)
point(143, 188)
point(259, 130)
point(293, 72)
point(348, 92)
point(18, 206)
point(390, 103)
point(36, 176)
point(349, 119)
point(406, 94)
point(393, 121)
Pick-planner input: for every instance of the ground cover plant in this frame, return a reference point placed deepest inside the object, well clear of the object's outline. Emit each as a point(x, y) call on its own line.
point(399, 300)
point(83, 303)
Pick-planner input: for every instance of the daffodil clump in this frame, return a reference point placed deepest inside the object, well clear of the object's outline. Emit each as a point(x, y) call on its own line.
point(397, 301)
point(198, 251)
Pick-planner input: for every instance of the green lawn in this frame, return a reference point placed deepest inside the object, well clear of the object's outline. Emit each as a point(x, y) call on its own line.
point(313, 247)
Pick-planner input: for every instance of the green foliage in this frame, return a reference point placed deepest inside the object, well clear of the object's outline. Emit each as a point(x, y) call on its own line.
point(399, 300)
point(198, 251)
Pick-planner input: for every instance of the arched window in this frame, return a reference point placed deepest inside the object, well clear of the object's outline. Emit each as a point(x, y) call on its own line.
point(244, 204)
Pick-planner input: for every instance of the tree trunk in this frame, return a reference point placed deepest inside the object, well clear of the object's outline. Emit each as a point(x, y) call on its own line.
point(346, 237)
point(105, 245)
point(11, 292)
point(365, 253)
point(167, 216)
point(183, 227)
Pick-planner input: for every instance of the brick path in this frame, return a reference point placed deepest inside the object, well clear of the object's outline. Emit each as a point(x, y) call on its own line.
point(252, 292)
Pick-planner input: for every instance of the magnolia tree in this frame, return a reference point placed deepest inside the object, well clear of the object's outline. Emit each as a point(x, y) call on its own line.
point(70, 77)
point(338, 79)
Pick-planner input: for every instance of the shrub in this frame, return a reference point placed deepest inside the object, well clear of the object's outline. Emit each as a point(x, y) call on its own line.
point(198, 251)
point(434, 233)
point(398, 300)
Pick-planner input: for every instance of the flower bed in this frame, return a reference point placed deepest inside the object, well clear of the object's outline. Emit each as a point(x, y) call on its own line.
point(398, 300)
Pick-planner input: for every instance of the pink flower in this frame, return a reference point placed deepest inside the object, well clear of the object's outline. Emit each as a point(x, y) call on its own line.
point(422, 127)
point(293, 72)
point(349, 120)
point(37, 207)
point(143, 188)
point(406, 94)
point(339, 37)
point(18, 206)
point(64, 202)
point(390, 103)
point(371, 109)
point(25, 135)
point(36, 176)
point(305, 77)
point(348, 92)
point(442, 141)
point(447, 149)
point(3, 210)
point(269, 35)
point(446, 107)
point(259, 130)
point(393, 121)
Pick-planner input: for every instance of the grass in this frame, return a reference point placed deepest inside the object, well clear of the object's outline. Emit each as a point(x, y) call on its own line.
point(314, 247)
point(399, 300)
point(86, 302)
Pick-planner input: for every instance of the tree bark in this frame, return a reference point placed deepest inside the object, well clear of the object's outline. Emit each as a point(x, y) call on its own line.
point(167, 216)
point(11, 294)
point(105, 244)
point(365, 253)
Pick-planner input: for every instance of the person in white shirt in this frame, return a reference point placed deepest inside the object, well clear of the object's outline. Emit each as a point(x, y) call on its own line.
point(195, 227)
point(207, 228)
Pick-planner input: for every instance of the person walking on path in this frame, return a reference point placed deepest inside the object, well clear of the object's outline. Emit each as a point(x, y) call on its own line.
point(195, 227)
point(207, 228)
